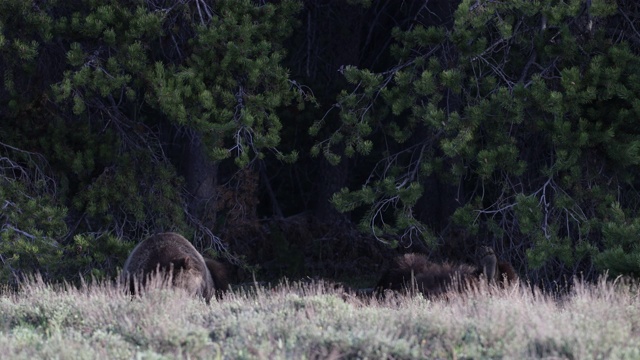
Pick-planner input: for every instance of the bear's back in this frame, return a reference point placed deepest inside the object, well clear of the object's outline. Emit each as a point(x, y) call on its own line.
point(167, 252)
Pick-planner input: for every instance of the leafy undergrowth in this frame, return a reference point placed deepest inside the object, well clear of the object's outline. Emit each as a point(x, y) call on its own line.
point(297, 321)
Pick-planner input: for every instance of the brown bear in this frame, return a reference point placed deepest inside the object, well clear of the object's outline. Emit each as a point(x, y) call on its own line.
point(506, 273)
point(432, 279)
point(401, 272)
point(500, 272)
point(218, 272)
point(172, 256)
point(415, 272)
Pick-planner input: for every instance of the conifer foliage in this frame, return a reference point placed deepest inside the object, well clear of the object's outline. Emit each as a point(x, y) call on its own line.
point(517, 122)
point(94, 95)
point(529, 110)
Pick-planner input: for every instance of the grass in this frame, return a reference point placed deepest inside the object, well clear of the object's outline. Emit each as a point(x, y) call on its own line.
point(298, 321)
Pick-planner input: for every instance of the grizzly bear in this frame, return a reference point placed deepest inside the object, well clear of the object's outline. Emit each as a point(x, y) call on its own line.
point(506, 273)
point(401, 272)
point(218, 273)
point(172, 256)
point(413, 270)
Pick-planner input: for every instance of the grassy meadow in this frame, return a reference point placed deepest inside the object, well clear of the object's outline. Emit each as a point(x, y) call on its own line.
point(318, 321)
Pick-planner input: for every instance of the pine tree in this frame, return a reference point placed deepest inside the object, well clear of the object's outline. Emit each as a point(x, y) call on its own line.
point(101, 90)
point(528, 109)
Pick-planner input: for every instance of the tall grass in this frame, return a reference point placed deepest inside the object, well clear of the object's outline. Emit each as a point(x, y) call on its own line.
point(297, 321)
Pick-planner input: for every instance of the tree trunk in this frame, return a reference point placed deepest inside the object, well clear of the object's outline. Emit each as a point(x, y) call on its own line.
point(330, 180)
point(201, 175)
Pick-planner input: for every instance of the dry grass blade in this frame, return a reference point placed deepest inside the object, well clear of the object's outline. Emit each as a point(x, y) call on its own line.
point(319, 320)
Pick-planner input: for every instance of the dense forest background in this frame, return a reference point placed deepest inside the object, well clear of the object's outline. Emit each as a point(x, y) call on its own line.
point(319, 137)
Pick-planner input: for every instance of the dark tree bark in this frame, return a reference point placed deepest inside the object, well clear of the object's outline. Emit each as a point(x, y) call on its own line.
point(335, 34)
point(201, 175)
point(332, 178)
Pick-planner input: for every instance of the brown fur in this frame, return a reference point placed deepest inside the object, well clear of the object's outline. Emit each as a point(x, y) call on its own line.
point(400, 274)
point(433, 279)
point(218, 272)
point(506, 273)
point(414, 269)
point(173, 257)
point(487, 262)
point(439, 278)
